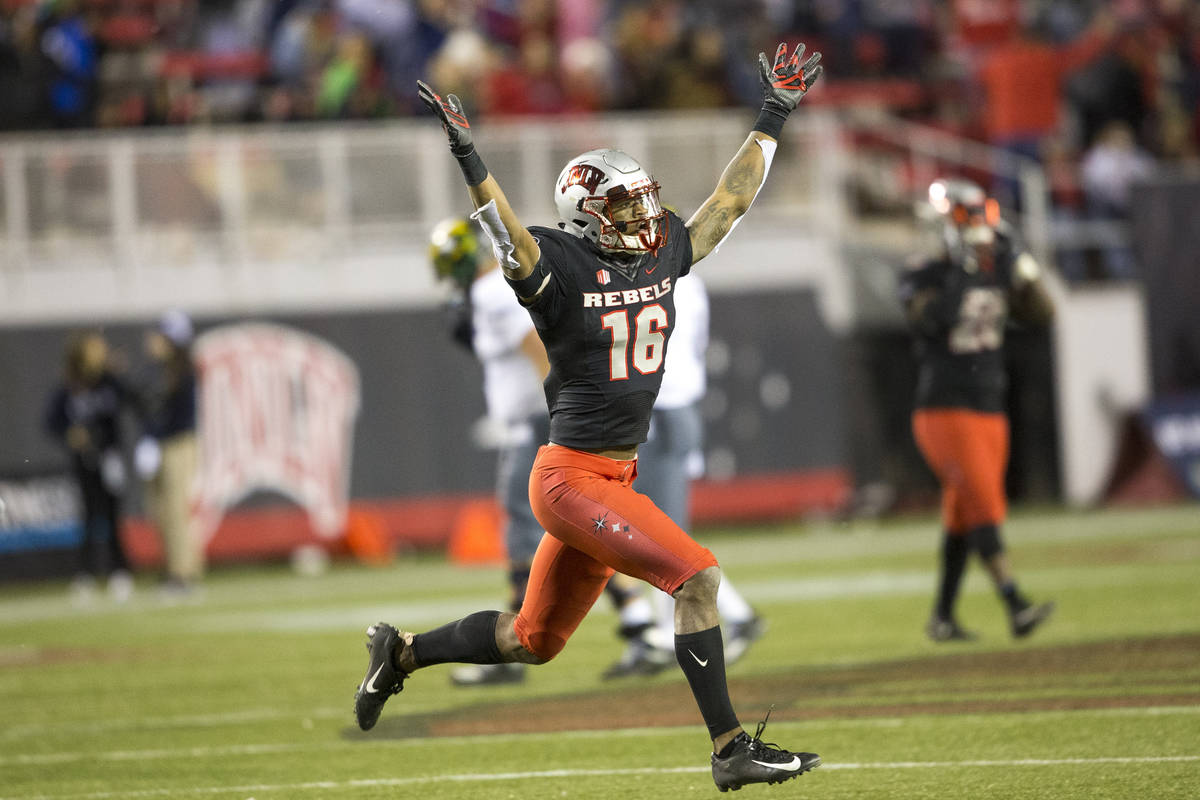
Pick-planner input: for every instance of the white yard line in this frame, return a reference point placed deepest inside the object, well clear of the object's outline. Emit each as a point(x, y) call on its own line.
point(215, 720)
point(592, 773)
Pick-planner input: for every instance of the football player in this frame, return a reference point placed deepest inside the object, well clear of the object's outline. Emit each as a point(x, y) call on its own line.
point(958, 303)
point(498, 331)
point(599, 288)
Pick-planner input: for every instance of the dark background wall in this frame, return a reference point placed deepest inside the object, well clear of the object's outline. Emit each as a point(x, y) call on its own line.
point(1166, 232)
point(421, 393)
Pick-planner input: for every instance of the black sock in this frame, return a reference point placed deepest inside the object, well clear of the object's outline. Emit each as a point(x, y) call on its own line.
point(701, 655)
point(955, 550)
point(470, 640)
point(1013, 598)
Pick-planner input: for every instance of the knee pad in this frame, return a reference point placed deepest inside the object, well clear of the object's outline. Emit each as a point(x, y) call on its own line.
point(985, 540)
point(543, 644)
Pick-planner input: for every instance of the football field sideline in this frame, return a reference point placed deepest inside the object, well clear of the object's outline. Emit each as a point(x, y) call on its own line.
point(534, 775)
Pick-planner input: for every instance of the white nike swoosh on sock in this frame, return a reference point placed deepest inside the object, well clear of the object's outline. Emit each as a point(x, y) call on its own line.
point(791, 766)
point(371, 683)
point(703, 663)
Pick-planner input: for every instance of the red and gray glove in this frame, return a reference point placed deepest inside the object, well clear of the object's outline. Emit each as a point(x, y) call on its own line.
point(449, 111)
point(787, 81)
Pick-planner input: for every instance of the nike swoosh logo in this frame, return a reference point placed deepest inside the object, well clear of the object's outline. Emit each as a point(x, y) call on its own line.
point(791, 766)
point(703, 663)
point(371, 683)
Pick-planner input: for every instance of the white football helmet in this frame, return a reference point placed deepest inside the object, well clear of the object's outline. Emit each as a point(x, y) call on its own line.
point(967, 211)
point(606, 196)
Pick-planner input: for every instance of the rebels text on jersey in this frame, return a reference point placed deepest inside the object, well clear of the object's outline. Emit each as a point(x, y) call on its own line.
point(962, 358)
point(605, 323)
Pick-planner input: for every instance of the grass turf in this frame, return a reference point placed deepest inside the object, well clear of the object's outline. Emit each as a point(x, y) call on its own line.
point(247, 693)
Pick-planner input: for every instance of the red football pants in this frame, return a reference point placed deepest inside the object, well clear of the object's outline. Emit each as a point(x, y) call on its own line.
point(968, 451)
point(595, 524)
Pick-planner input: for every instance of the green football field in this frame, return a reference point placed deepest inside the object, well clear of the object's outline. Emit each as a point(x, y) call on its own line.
point(247, 692)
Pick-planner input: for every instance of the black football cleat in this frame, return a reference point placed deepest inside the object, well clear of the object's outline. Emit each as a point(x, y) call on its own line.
point(756, 761)
point(383, 679)
point(940, 629)
point(1024, 621)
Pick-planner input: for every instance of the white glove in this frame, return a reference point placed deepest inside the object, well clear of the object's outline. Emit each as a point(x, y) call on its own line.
point(1026, 270)
point(147, 457)
point(112, 471)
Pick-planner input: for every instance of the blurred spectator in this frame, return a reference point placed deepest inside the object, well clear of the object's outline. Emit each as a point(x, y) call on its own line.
point(587, 78)
point(461, 66)
point(165, 456)
point(528, 83)
point(1113, 87)
point(84, 414)
point(68, 50)
point(1022, 82)
point(19, 95)
point(695, 76)
point(344, 83)
point(903, 27)
point(1108, 172)
point(642, 35)
point(1060, 161)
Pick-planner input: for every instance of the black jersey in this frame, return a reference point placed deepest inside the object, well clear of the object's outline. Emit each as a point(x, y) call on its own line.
point(960, 339)
point(605, 323)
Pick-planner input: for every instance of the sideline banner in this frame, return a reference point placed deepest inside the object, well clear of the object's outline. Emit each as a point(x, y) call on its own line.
point(39, 513)
point(1174, 422)
point(276, 412)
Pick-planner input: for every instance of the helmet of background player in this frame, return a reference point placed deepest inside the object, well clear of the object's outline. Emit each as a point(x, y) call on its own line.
point(968, 213)
point(606, 196)
point(454, 251)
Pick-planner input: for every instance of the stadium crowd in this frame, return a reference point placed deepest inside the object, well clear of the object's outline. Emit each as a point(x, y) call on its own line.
point(1098, 90)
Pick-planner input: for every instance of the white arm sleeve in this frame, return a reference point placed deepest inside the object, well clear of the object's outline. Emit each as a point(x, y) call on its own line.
point(488, 218)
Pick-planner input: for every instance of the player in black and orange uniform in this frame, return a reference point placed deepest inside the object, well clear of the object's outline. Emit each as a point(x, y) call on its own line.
point(958, 304)
point(600, 291)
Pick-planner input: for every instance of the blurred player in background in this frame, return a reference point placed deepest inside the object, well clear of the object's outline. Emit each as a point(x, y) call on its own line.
point(488, 321)
point(958, 303)
point(84, 414)
point(668, 461)
point(165, 456)
point(600, 291)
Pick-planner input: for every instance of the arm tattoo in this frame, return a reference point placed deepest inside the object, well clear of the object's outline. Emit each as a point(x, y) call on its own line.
point(742, 177)
point(711, 224)
point(735, 191)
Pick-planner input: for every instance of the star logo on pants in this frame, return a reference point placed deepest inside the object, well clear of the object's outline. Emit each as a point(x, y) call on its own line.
point(602, 525)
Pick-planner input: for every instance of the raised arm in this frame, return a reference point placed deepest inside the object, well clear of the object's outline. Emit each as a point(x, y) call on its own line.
point(1032, 302)
point(784, 84)
point(515, 247)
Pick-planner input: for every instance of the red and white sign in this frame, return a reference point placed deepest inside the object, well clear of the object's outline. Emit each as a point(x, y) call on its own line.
point(276, 412)
point(602, 277)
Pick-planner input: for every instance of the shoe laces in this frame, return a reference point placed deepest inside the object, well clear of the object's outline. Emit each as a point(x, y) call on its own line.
point(770, 750)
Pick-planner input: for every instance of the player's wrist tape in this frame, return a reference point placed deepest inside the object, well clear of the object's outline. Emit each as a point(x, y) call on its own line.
point(472, 167)
point(770, 122)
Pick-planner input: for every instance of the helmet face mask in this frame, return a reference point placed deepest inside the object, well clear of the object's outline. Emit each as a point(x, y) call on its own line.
point(606, 196)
